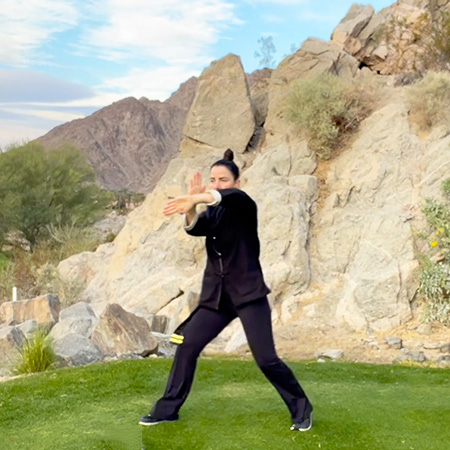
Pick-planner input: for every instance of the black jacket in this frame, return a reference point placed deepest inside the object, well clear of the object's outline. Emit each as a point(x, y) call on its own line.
point(232, 247)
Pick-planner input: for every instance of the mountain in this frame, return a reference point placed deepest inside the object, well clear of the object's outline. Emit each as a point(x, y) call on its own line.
point(130, 142)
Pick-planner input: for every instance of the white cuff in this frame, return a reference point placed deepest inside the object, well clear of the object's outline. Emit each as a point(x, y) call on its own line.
point(217, 198)
point(192, 224)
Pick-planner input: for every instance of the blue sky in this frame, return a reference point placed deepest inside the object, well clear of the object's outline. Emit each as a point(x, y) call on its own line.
point(64, 59)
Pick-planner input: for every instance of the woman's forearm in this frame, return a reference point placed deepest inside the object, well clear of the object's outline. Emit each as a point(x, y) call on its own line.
point(205, 197)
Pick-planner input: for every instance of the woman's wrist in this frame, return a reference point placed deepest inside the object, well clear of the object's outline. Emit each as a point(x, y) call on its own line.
point(204, 197)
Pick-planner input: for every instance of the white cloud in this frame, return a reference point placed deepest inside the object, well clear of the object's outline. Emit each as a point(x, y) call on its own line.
point(17, 133)
point(155, 84)
point(175, 31)
point(281, 2)
point(25, 25)
point(46, 114)
point(31, 86)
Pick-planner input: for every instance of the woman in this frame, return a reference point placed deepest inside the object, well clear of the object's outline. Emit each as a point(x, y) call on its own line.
point(233, 286)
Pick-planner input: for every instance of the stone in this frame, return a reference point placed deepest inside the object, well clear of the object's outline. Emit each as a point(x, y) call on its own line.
point(28, 328)
point(432, 346)
point(158, 323)
point(445, 348)
point(11, 342)
point(414, 356)
point(394, 342)
point(165, 348)
point(76, 350)
point(44, 310)
point(425, 328)
point(222, 103)
point(444, 360)
point(330, 354)
point(352, 24)
point(77, 319)
point(119, 332)
point(77, 310)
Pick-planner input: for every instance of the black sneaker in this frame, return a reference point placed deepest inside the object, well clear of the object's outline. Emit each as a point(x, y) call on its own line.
point(304, 425)
point(149, 420)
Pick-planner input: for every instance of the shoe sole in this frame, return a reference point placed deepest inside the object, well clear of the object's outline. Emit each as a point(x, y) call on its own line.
point(146, 424)
point(305, 429)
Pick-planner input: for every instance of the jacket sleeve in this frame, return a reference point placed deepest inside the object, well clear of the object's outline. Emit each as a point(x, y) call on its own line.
point(199, 226)
point(236, 199)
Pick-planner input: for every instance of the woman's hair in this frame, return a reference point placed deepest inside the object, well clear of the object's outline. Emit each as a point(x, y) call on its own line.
point(228, 162)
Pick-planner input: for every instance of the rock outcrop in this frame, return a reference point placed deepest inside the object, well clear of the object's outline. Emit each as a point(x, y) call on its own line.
point(395, 40)
point(282, 140)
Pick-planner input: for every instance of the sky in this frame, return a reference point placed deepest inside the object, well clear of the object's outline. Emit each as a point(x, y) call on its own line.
point(62, 60)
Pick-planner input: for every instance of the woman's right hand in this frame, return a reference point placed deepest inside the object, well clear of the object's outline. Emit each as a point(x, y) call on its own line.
point(195, 184)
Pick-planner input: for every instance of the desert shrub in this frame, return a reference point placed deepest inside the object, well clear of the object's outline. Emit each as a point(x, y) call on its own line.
point(435, 274)
point(68, 240)
point(37, 354)
point(49, 280)
point(6, 282)
point(429, 100)
point(36, 273)
point(326, 109)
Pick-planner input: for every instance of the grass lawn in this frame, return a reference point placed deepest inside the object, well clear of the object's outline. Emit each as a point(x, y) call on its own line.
point(231, 406)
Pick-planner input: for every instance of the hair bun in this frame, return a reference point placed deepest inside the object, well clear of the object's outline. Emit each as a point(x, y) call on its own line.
point(228, 155)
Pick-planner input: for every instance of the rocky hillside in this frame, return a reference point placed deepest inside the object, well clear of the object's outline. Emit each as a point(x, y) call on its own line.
point(338, 237)
point(131, 142)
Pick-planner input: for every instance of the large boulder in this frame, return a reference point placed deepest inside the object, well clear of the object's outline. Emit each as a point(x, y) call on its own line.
point(77, 319)
point(11, 341)
point(350, 27)
point(119, 332)
point(44, 310)
point(76, 350)
point(222, 103)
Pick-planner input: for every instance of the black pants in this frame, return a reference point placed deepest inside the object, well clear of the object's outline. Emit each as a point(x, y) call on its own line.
point(203, 326)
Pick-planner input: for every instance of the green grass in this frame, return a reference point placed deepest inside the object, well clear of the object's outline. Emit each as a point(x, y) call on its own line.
point(231, 406)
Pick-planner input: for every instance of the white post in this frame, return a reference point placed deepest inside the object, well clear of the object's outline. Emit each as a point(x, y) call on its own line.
point(14, 294)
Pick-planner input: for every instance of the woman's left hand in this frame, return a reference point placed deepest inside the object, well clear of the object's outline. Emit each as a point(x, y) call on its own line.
point(180, 205)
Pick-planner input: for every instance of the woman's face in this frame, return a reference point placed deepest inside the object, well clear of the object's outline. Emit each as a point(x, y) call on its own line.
point(222, 178)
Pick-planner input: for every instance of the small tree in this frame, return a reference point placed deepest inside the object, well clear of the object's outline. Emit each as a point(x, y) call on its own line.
point(266, 52)
point(39, 188)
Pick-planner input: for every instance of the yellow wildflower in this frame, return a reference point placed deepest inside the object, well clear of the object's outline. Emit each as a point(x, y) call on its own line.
point(434, 243)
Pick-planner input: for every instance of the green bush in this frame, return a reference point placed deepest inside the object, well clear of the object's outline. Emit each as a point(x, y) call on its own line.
point(40, 188)
point(326, 109)
point(429, 100)
point(37, 354)
point(435, 274)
